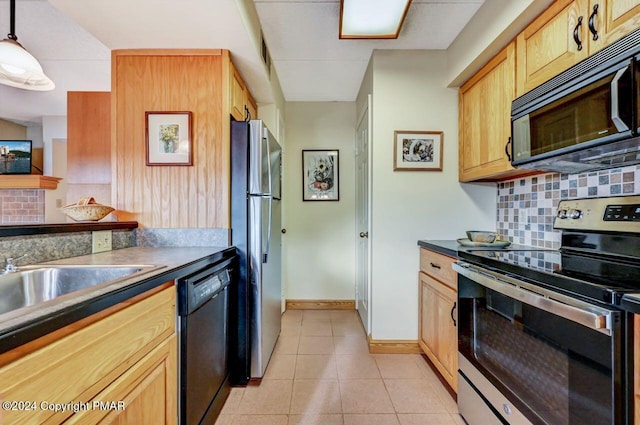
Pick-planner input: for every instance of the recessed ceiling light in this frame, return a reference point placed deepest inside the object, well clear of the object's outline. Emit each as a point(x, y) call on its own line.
point(372, 18)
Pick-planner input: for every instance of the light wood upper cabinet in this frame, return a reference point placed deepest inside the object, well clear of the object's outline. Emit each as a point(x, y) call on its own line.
point(252, 106)
point(238, 90)
point(438, 313)
point(547, 46)
point(612, 20)
point(563, 35)
point(485, 120)
point(241, 101)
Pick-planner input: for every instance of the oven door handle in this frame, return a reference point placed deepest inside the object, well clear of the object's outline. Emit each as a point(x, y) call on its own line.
point(572, 309)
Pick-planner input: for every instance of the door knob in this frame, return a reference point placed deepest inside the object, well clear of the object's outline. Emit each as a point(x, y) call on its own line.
point(364, 234)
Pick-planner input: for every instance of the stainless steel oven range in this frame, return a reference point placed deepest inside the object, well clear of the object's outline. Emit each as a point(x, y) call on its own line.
point(544, 336)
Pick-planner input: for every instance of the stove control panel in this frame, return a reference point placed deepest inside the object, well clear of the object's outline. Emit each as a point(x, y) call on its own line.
point(622, 213)
point(616, 214)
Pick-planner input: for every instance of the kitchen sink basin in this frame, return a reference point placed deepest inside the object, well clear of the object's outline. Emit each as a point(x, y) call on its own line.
point(35, 284)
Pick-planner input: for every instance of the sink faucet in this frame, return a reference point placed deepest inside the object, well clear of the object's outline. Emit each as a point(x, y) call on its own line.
point(10, 267)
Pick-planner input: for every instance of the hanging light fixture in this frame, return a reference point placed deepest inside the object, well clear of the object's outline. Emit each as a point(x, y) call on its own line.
point(372, 18)
point(18, 68)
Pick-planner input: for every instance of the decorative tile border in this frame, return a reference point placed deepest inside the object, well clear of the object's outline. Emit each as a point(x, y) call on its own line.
point(526, 207)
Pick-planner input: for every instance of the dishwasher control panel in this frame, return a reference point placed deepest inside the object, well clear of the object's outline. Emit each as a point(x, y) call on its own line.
point(208, 287)
point(198, 288)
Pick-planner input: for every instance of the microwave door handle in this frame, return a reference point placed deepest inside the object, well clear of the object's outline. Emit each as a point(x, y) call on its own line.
point(615, 101)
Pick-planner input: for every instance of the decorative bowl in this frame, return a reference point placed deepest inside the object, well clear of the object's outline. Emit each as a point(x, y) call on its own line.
point(87, 209)
point(482, 236)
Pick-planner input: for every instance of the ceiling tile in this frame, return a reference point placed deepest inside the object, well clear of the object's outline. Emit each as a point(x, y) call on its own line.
point(324, 81)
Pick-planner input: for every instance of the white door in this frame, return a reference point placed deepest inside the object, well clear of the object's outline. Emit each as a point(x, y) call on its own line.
point(362, 219)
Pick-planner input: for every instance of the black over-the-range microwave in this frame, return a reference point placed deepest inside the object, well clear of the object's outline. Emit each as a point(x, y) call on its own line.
point(584, 119)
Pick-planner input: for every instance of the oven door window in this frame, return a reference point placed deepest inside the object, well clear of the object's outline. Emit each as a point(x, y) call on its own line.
point(554, 370)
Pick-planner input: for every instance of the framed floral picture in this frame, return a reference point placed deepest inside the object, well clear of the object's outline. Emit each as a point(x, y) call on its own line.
point(320, 175)
point(418, 150)
point(168, 138)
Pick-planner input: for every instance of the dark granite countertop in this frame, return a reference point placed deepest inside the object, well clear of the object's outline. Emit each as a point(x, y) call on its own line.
point(452, 247)
point(28, 323)
point(446, 247)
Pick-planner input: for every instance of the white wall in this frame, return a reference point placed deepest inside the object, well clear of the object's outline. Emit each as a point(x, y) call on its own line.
point(410, 93)
point(319, 246)
point(53, 127)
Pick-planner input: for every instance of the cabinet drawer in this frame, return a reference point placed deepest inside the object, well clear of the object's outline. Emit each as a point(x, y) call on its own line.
point(438, 266)
point(77, 367)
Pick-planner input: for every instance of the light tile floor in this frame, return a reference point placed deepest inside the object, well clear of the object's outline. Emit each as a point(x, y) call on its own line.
point(321, 373)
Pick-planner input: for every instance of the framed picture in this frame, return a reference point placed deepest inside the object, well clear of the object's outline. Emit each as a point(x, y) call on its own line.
point(320, 175)
point(15, 156)
point(168, 137)
point(418, 150)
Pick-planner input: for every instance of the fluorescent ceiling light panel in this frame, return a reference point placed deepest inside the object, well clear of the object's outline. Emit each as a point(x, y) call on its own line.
point(372, 18)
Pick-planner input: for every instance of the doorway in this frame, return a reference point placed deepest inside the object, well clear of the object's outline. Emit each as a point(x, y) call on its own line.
point(363, 244)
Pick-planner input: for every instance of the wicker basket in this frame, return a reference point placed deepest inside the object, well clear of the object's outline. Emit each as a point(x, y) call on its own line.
point(86, 209)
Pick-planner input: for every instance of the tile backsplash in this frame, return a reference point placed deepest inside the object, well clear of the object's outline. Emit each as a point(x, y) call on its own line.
point(527, 206)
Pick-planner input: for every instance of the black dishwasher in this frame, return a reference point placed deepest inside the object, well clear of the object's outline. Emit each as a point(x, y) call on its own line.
point(203, 310)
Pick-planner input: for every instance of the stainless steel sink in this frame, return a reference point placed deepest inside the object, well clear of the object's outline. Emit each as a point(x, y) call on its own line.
point(35, 284)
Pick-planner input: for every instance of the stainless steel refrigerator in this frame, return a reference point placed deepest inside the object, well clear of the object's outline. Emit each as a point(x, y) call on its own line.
point(256, 159)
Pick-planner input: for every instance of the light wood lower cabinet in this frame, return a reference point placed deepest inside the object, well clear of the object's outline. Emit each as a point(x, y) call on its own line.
point(145, 394)
point(128, 356)
point(438, 315)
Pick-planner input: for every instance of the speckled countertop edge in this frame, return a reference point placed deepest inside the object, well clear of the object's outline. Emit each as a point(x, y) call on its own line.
point(168, 259)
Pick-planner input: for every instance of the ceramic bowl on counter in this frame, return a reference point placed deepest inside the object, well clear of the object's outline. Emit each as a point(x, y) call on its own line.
point(87, 209)
point(482, 236)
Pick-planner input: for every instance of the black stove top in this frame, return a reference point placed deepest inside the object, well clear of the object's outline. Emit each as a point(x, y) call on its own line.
point(592, 276)
point(599, 258)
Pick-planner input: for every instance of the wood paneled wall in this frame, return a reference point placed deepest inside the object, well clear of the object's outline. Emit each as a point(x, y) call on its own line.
point(171, 80)
point(89, 137)
point(89, 146)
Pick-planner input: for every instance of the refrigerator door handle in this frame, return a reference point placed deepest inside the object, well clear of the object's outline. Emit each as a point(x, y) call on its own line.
point(265, 255)
point(266, 140)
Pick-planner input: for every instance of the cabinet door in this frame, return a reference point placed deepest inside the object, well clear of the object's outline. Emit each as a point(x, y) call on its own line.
point(485, 119)
point(612, 20)
point(438, 332)
point(251, 104)
point(547, 46)
point(147, 393)
point(237, 95)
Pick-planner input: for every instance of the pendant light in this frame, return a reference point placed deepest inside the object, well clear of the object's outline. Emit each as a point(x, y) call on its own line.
point(18, 68)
